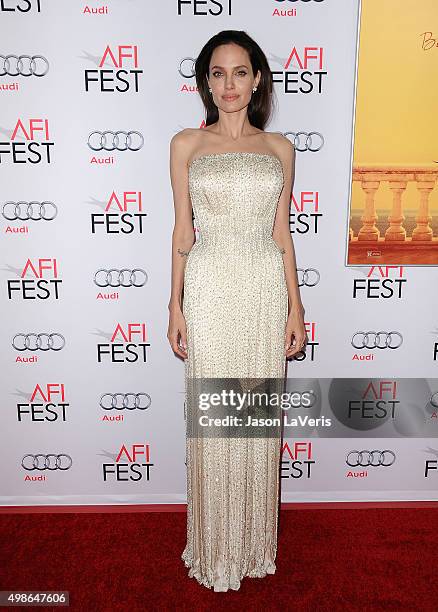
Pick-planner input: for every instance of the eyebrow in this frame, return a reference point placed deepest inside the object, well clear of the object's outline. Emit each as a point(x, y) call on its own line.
point(241, 66)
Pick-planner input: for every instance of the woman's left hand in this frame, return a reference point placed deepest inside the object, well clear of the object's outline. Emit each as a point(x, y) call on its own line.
point(295, 337)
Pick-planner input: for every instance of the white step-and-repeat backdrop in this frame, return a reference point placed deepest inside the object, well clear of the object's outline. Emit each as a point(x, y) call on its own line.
point(92, 394)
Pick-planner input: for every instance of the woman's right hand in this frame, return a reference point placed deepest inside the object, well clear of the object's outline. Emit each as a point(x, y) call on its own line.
point(177, 333)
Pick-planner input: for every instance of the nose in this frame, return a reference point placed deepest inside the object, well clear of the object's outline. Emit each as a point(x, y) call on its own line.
point(229, 82)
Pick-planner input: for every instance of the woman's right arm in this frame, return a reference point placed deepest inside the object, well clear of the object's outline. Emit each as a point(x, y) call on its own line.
point(183, 238)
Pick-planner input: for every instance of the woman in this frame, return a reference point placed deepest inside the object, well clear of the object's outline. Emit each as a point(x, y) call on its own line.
point(235, 309)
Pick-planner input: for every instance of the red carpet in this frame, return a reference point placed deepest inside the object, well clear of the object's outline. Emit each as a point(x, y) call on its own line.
point(329, 559)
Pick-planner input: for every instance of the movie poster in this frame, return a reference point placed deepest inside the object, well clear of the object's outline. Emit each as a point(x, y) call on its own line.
point(393, 193)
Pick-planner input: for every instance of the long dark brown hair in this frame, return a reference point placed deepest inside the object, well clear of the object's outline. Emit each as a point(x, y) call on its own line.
point(260, 106)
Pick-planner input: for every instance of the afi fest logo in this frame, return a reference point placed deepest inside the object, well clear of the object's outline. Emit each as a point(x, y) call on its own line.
point(20, 6)
point(45, 405)
point(131, 349)
point(377, 402)
point(30, 143)
point(122, 74)
point(435, 348)
point(388, 283)
point(126, 214)
point(44, 285)
point(304, 213)
point(431, 465)
point(204, 8)
point(297, 460)
point(302, 72)
point(129, 464)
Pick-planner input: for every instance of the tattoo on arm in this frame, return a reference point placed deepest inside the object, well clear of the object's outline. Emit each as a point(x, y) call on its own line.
point(183, 253)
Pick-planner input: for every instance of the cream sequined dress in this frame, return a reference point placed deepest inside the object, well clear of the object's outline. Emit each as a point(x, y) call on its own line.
point(235, 304)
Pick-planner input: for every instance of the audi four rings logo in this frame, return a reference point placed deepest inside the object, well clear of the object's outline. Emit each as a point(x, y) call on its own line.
point(372, 458)
point(187, 67)
point(125, 401)
point(380, 340)
point(306, 141)
point(434, 399)
point(23, 65)
point(112, 141)
point(26, 211)
point(38, 342)
point(307, 278)
point(46, 462)
point(120, 278)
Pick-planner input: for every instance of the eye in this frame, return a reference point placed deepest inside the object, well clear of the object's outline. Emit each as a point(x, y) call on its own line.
point(216, 72)
point(242, 72)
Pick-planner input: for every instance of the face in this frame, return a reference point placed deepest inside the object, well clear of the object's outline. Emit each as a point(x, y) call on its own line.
point(231, 78)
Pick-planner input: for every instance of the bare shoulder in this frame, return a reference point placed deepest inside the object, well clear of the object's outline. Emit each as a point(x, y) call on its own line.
point(183, 138)
point(183, 143)
point(284, 147)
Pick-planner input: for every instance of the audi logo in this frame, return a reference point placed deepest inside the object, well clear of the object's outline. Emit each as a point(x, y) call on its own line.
point(46, 462)
point(41, 342)
point(372, 458)
point(434, 399)
point(128, 401)
point(111, 141)
point(307, 278)
point(380, 340)
point(120, 278)
point(187, 67)
point(306, 141)
point(23, 65)
point(25, 211)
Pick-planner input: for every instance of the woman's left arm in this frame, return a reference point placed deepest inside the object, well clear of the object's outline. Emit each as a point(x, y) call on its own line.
point(295, 329)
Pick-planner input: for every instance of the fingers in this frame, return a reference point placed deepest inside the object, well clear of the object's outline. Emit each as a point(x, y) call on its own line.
point(178, 347)
point(294, 343)
point(183, 340)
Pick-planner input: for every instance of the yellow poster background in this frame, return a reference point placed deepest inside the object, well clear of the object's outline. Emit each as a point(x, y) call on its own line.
point(395, 140)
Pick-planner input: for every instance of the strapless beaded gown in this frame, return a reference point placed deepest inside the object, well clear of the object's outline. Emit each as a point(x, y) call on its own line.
point(235, 304)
